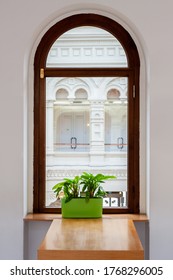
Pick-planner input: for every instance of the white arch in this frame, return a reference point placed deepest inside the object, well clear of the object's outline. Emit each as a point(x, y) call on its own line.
point(28, 72)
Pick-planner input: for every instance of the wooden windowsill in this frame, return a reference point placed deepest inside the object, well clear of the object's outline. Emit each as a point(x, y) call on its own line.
point(51, 217)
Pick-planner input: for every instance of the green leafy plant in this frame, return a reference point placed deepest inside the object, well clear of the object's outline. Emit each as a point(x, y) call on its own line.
point(92, 184)
point(69, 188)
point(89, 184)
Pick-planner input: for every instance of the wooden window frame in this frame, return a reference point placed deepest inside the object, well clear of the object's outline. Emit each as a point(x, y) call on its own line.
point(131, 71)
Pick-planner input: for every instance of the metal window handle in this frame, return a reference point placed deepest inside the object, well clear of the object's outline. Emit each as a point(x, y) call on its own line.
point(73, 142)
point(120, 143)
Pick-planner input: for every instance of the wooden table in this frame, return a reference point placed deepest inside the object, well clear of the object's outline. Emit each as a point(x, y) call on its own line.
point(91, 239)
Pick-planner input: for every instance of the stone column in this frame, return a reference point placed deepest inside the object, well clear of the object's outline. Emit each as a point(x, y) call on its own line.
point(97, 135)
point(49, 125)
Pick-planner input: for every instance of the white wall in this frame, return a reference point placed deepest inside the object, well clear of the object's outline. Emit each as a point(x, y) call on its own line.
point(22, 23)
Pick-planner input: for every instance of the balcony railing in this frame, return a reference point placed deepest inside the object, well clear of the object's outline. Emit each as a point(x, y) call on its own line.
point(74, 146)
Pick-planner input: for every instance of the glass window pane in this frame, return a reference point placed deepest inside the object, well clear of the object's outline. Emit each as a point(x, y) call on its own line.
point(86, 47)
point(87, 130)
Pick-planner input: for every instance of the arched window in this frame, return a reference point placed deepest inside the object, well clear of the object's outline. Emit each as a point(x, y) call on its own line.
point(86, 87)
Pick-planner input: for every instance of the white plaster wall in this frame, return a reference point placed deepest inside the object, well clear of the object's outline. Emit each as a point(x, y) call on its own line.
point(35, 232)
point(22, 24)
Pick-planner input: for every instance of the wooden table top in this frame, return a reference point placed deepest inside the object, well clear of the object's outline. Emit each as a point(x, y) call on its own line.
point(97, 239)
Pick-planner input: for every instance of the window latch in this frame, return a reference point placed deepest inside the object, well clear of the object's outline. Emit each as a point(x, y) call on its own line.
point(134, 91)
point(41, 73)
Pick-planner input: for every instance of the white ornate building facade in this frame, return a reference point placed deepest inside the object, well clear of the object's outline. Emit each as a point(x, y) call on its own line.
point(86, 117)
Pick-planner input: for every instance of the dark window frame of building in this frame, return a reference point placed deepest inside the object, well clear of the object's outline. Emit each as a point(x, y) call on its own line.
point(132, 72)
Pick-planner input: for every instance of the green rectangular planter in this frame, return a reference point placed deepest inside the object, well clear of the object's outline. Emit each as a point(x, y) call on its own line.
point(82, 208)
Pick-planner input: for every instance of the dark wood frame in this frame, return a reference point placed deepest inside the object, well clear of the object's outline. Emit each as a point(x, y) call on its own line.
point(132, 72)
